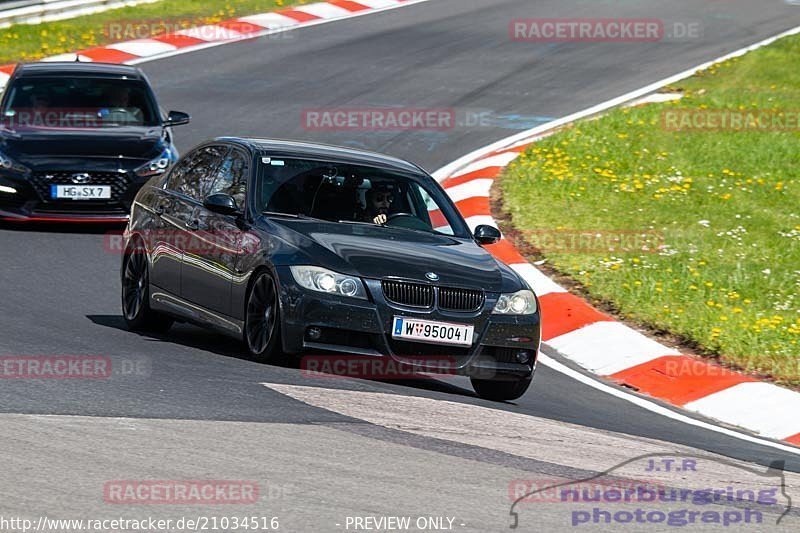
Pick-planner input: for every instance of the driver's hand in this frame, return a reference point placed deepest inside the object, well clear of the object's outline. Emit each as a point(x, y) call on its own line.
point(380, 219)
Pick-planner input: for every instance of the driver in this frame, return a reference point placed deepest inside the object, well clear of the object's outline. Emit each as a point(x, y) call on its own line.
point(379, 199)
point(118, 98)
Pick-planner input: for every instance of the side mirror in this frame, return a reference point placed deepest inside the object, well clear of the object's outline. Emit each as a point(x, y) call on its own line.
point(487, 234)
point(177, 118)
point(223, 204)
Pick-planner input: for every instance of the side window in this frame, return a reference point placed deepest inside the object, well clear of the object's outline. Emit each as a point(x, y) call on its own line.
point(178, 173)
point(231, 177)
point(193, 175)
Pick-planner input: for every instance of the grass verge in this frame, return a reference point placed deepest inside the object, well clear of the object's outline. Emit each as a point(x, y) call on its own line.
point(25, 42)
point(721, 205)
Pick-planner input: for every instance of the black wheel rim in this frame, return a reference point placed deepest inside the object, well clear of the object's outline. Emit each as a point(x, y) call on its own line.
point(134, 284)
point(261, 315)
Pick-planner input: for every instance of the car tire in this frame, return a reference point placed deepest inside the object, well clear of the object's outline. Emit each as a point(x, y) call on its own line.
point(262, 324)
point(136, 294)
point(501, 391)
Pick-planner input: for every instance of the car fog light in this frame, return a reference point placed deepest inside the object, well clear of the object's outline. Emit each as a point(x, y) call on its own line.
point(314, 333)
point(523, 357)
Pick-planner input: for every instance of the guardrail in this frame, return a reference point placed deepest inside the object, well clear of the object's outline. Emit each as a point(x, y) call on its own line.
point(36, 11)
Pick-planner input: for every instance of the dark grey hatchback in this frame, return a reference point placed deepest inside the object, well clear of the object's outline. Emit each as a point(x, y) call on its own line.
point(306, 248)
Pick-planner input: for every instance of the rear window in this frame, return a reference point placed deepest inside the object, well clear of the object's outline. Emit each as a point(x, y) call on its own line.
point(79, 103)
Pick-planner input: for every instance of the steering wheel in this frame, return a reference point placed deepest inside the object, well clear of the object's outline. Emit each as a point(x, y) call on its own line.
point(406, 220)
point(398, 215)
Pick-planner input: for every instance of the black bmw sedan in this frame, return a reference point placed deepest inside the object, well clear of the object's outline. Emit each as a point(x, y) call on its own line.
point(304, 248)
point(78, 140)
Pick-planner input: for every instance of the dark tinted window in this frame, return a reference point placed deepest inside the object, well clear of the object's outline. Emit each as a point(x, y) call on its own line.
point(79, 102)
point(194, 174)
point(231, 177)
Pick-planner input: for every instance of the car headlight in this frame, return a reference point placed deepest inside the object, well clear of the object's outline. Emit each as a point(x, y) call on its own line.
point(157, 166)
point(516, 303)
point(323, 280)
point(9, 165)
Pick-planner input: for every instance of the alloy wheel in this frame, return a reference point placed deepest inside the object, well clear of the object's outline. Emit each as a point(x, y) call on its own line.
point(261, 315)
point(134, 284)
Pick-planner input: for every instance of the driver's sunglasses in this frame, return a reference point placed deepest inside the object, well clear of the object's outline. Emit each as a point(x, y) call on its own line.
point(384, 197)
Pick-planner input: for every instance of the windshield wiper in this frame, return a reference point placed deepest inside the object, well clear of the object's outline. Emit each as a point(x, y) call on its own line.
point(300, 216)
point(359, 222)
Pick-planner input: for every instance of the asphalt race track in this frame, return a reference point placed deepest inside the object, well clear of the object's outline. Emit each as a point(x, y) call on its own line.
point(188, 405)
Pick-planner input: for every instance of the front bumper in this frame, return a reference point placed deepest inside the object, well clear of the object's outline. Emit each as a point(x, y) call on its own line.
point(31, 201)
point(363, 328)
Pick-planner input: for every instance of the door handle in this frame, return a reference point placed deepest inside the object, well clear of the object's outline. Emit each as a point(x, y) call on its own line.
point(193, 224)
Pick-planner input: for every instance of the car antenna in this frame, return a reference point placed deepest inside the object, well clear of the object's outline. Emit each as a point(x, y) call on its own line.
point(77, 58)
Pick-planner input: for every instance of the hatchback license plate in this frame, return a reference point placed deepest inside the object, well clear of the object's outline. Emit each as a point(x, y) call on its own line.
point(432, 332)
point(80, 192)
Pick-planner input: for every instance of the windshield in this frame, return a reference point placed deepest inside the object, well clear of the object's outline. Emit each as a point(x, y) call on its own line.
point(79, 103)
point(354, 194)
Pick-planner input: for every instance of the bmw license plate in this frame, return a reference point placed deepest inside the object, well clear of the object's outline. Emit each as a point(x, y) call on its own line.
point(80, 192)
point(432, 332)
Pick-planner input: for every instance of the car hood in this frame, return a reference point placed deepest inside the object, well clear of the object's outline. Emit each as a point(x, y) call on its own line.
point(382, 252)
point(30, 145)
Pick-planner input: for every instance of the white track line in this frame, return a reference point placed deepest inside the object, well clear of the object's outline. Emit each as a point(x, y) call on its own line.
point(772, 410)
point(270, 20)
point(377, 4)
point(606, 348)
point(477, 187)
point(658, 409)
point(540, 283)
point(323, 10)
point(143, 47)
point(499, 160)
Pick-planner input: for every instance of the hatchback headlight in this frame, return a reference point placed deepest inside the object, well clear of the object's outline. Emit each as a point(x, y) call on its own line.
point(516, 303)
point(9, 165)
point(157, 166)
point(323, 280)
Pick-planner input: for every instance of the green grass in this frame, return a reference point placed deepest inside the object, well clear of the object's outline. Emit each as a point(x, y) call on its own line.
point(24, 42)
point(727, 204)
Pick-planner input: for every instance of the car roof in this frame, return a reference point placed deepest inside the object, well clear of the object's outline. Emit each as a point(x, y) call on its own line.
point(75, 68)
point(324, 151)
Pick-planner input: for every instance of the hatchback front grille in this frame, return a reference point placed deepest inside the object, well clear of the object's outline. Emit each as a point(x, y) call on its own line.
point(452, 299)
point(42, 181)
point(410, 294)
